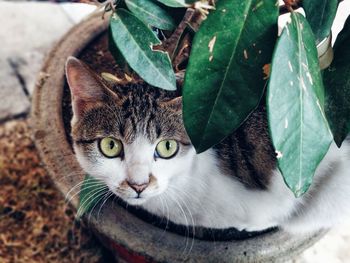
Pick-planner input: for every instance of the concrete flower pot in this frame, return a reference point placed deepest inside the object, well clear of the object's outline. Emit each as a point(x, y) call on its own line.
point(129, 237)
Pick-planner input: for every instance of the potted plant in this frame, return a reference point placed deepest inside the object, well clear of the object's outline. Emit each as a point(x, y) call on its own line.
point(161, 34)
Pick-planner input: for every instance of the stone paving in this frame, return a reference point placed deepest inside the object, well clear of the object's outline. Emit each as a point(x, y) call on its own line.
point(28, 31)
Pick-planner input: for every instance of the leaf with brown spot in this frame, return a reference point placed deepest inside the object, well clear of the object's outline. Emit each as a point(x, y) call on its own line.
point(224, 80)
point(295, 100)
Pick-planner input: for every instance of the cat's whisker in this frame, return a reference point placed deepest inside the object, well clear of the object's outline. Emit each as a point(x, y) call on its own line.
point(164, 206)
point(190, 214)
point(189, 196)
point(106, 197)
point(73, 188)
point(186, 222)
point(90, 199)
point(168, 214)
point(161, 201)
point(88, 186)
point(165, 195)
point(101, 197)
point(200, 184)
point(78, 186)
point(81, 205)
point(95, 196)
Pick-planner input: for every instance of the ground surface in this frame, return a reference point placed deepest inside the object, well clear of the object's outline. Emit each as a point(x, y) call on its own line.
point(36, 224)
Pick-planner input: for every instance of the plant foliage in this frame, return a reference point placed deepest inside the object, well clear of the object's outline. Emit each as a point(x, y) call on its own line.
point(231, 55)
point(224, 79)
point(337, 83)
point(177, 3)
point(135, 41)
point(295, 101)
point(320, 15)
point(151, 13)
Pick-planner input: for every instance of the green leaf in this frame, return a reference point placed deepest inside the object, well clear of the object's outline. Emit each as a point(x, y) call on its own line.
point(135, 41)
point(177, 3)
point(91, 193)
point(118, 57)
point(151, 13)
point(320, 15)
point(297, 123)
point(337, 85)
point(224, 79)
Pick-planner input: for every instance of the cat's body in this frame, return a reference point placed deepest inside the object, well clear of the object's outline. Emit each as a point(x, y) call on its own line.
point(235, 184)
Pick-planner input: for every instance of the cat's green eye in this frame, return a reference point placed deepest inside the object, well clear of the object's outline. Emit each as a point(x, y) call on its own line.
point(166, 149)
point(110, 147)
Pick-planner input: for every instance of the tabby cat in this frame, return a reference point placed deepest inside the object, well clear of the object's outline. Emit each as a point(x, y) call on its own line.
point(133, 139)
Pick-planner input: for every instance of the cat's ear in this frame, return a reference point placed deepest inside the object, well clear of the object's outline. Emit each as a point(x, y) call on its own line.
point(87, 89)
point(173, 104)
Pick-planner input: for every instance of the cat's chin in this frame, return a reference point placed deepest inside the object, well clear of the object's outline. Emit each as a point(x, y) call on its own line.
point(135, 201)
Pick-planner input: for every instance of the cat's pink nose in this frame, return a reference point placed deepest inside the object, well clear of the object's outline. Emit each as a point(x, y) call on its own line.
point(138, 187)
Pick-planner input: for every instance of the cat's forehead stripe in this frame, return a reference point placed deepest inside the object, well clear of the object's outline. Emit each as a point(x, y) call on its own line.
point(137, 113)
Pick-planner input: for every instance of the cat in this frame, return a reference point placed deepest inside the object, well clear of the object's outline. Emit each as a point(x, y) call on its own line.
point(133, 139)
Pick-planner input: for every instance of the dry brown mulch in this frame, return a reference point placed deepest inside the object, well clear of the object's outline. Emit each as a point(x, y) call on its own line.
point(36, 223)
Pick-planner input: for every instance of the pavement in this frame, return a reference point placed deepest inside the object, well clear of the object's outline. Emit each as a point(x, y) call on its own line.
point(30, 29)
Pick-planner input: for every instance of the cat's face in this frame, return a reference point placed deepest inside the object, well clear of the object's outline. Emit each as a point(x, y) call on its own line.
point(132, 138)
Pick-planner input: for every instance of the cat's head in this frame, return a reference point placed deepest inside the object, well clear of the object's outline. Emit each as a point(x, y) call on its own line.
point(132, 137)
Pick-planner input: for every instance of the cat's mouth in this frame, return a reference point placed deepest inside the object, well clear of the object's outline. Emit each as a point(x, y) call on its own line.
point(137, 199)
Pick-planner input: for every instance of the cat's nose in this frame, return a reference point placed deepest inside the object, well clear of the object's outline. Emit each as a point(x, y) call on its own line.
point(138, 187)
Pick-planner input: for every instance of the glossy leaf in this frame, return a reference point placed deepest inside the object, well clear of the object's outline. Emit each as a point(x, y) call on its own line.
point(320, 15)
point(177, 3)
point(337, 85)
point(297, 122)
point(118, 57)
point(91, 192)
point(224, 78)
point(135, 41)
point(151, 13)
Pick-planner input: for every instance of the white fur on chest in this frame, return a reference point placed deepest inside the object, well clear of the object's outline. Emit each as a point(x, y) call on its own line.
point(206, 197)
